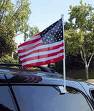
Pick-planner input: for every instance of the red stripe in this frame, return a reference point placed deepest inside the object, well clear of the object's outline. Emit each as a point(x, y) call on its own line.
point(43, 50)
point(30, 48)
point(29, 42)
point(45, 62)
point(42, 56)
point(25, 50)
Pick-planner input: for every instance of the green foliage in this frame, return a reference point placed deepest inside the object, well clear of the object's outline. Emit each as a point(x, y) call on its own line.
point(72, 42)
point(79, 32)
point(34, 30)
point(21, 15)
point(8, 59)
point(80, 16)
point(31, 31)
point(13, 18)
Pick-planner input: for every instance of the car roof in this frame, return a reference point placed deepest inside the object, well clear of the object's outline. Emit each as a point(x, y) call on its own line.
point(44, 76)
point(9, 75)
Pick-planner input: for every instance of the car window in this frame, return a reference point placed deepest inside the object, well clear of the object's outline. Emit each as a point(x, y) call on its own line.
point(92, 93)
point(48, 98)
point(6, 101)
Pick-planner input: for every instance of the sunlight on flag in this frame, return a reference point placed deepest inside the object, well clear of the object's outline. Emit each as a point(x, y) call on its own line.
point(44, 48)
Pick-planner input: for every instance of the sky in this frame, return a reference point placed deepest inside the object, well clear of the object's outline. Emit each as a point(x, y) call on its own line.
point(46, 12)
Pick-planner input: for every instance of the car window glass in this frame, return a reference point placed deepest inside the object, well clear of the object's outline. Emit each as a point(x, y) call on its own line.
point(92, 93)
point(47, 98)
point(6, 101)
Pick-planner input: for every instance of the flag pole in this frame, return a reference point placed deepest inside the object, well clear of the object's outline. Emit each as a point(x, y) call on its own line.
point(64, 68)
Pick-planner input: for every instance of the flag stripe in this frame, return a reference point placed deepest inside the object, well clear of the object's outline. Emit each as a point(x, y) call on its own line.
point(42, 53)
point(42, 50)
point(42, 60)
point(33, 40)
point(45, 62)
point(42, 56)
point(29, 46)
point(41, 47)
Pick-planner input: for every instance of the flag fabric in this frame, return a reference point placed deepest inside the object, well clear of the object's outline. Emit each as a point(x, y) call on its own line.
point(44, 48)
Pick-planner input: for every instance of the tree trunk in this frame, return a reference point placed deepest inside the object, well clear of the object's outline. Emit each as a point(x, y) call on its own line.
point(87, 72)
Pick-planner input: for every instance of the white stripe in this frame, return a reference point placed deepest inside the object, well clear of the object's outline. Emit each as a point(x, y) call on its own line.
point(42, 60)
point(41, 47)
point(29, 45)
point(42, 53)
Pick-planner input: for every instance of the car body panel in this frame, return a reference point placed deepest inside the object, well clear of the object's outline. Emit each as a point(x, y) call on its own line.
point(20, 82)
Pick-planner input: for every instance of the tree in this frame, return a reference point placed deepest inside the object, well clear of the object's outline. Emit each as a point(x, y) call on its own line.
point(13, 18)
point(79, 33)
point(30, 32)
point(33, 30)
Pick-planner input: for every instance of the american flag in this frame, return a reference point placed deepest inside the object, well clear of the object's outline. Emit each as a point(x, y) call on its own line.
point(44, 48)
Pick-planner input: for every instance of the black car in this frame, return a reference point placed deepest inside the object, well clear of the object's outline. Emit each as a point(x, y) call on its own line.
point(39, 90)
